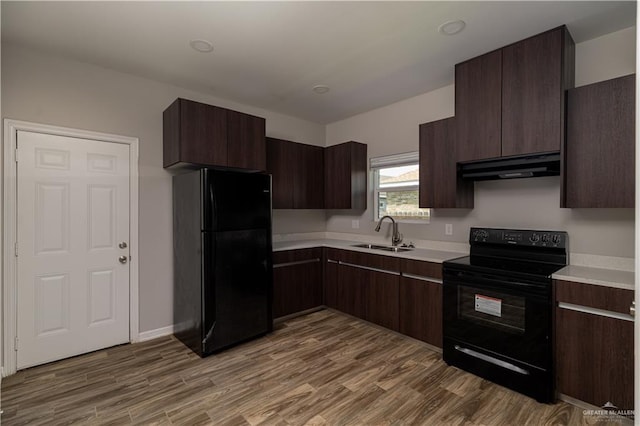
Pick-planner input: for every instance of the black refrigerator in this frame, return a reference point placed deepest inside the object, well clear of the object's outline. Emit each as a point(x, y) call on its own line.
point(222, 258)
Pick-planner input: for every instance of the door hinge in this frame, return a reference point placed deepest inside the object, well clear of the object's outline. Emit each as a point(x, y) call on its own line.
point(16, 248)
point(16, 155)
point(15, 345)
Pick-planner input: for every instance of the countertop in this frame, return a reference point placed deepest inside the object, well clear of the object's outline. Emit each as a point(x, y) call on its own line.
point(426, 255)
point(597, 276)
point(583, 274)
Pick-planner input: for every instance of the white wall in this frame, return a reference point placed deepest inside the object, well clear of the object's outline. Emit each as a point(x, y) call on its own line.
point(526, 203)
point(51, 90)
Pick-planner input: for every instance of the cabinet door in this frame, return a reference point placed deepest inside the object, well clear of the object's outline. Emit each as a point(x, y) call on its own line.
point(351, 292)
point(440, 186)
point(533, 83)
point(594, 343)
point(330, 281)
point(478, 107)
point(246, 146)
point(594, 360)
point(308, 181)
point(421, 310)
point(194, 133)
point(600, 152)
point(297, 281)
point(382, 295)
point(280, 159)
point(297, 287)
point(345, 171)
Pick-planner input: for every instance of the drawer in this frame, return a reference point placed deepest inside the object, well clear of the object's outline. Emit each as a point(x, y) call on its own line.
point(421, 268)
point(594, 296)
point(289, 256)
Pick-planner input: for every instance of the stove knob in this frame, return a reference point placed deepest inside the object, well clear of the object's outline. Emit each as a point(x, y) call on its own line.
point(534, 238)
point(556, 239)
point(545, 238)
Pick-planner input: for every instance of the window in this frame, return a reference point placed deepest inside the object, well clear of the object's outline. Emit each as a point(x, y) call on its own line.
point(395, 182)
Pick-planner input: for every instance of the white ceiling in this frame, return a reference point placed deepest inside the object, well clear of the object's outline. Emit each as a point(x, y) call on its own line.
point(271, 54)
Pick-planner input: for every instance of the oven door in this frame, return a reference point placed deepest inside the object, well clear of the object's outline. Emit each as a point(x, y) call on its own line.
point(501, 315)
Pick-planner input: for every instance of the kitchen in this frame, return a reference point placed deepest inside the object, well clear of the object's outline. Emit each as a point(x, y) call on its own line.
point(106, 100)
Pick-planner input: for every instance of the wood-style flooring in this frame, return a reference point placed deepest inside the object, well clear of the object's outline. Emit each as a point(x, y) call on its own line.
point(324, 368)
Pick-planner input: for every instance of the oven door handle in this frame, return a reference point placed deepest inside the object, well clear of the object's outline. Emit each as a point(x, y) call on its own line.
point(465, 278)
point(492, 360)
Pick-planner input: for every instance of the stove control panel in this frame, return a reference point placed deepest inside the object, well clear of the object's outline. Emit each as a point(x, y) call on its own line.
point(520, 237)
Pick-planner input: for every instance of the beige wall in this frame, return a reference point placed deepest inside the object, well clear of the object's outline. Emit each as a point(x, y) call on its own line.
point(51, 90)
point(526, 203)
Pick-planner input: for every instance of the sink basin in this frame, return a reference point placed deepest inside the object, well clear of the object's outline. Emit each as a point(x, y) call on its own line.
point(385, 248)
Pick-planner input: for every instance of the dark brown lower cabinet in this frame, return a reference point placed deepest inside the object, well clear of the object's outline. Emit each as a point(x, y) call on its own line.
point(351, 298)
point(594, 347)
point(330, 257)
point(363, 285)
point(297, 281)
point(399, 294)
point(421, 310)
point(421, 301)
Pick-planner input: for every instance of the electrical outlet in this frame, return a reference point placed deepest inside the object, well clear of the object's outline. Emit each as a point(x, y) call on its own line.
point(448, 229)
point(355, 224)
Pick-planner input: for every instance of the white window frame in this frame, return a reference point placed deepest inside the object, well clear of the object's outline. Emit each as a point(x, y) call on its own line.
point(395, 160)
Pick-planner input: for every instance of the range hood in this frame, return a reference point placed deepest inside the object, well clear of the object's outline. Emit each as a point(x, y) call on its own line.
point(545, 164)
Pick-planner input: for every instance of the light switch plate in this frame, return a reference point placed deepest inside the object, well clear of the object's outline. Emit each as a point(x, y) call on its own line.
point(448, 229)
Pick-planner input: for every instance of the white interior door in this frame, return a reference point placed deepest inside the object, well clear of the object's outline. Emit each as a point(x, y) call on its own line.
point(73, 237)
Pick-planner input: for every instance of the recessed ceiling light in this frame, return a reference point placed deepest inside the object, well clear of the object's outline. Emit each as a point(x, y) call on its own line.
point(321, 89)
point(202, 46)
point(452, 27)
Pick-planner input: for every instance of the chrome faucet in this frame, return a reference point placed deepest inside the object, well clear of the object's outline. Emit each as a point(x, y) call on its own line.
point(396, 238)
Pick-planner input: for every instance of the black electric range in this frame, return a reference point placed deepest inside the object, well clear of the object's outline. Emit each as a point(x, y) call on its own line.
point(497, 308)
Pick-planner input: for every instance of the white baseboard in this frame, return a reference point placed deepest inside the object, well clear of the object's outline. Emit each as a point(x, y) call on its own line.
point(154, 334)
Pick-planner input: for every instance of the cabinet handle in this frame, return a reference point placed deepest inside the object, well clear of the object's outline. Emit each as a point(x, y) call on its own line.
point(595, 311)
point(368, 268)
point(632, 308)
point(299, 262)
point(422, 278)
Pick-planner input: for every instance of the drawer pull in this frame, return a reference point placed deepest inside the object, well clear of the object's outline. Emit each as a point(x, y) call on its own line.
point(422, 278)
point(299, 262)
point(595, 311)
point(368, 268)
point(632, 309)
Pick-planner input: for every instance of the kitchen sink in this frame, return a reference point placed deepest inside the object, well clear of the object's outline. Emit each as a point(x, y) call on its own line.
point(385, 248)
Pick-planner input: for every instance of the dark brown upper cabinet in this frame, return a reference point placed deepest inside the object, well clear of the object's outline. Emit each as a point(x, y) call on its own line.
point(246, 145)
point(204, 135)
point(297, 174)
point(478, 90)
point(600, 150)
point(440, 187)
point(535, 74)
point(345, 176)
point(511, 101)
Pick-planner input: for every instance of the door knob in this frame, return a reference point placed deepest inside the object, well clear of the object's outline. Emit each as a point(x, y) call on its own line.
point(122, 245)
point(122, 259)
